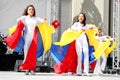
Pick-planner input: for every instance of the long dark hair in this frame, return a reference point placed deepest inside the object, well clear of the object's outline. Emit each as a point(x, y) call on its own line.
point(26, 9)
point(84, 21)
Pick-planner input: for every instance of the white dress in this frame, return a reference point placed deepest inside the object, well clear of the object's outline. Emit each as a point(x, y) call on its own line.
point(29, 28)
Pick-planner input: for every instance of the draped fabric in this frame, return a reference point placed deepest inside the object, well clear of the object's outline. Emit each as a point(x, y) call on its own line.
point(64, 52)
point(13, 40)
point(67, 37)
point(109, 49)
point(46, 32)
point(65, 57)
point(37, 47)
point(30, 62)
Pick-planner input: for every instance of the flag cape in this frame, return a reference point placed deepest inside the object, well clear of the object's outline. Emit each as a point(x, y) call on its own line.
point(13, 39)
point(67, 37)
point(46, 34)
point(109, 49)
point(37, 47)
point(65, 57)
point(44, 37)
point(64, 52)
point(101, 48)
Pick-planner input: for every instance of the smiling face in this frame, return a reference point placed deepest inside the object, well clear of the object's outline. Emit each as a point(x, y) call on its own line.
point(81, 18)
point(30, 11)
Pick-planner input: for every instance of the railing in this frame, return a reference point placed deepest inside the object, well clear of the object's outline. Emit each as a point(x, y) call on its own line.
point(116, 33)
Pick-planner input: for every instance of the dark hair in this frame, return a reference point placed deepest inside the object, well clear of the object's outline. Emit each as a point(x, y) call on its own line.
point(100, 29)
point(84, 21)
point(25, 11)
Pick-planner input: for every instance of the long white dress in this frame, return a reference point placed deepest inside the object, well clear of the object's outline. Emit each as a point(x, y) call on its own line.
point(29, 29)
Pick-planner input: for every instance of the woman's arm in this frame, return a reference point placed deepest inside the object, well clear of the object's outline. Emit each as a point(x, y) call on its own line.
point(40, 20)
point(22, 18)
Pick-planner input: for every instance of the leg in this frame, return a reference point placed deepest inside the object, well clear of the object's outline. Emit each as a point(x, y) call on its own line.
point(86, 55)
point(97, 69)
point(79, 54)
point(103, 64)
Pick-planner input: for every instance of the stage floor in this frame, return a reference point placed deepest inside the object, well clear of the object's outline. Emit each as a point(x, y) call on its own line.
point(10, 75)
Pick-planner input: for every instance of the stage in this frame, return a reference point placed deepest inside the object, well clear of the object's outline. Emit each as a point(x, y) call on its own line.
point(11, 62)
point(10, 75)
point(7, 61)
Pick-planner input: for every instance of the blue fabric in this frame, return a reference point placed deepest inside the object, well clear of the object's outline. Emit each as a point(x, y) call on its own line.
point(91, 51)
point(20, 45)
point(40, 48)
point(58, 52)
point(91, 55)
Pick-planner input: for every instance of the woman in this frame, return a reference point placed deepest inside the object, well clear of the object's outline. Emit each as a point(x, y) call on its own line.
point(81, 44)
point(67, 53)
point(27, 23)
point(101, 62)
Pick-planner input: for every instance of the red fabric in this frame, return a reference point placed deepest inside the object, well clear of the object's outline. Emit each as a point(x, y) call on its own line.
point(69, 64)
point(30, 62)
point(92, 65)
point(55, 23)
point(13, 39)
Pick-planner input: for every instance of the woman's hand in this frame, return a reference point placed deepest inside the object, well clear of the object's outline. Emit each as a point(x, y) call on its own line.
point(83, 29)
point(90, 28)
point(108, 36)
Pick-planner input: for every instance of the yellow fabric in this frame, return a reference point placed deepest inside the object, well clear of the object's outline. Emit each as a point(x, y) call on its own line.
point(91, 37)
point(67, 37)
point(100, 49)
point(91, 25)
point(110, 49)
point(46, 33)
point(70, 35)
point(12, 29)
